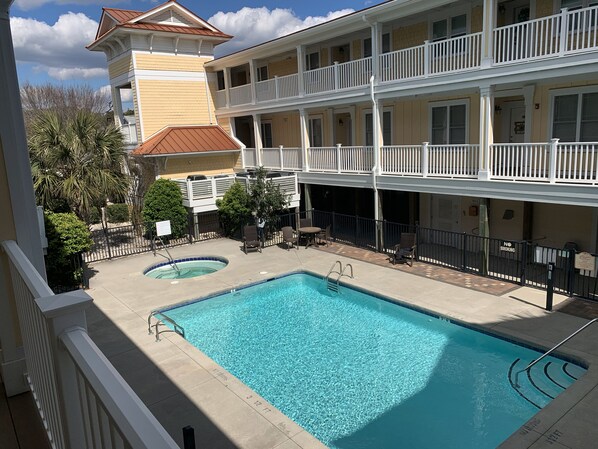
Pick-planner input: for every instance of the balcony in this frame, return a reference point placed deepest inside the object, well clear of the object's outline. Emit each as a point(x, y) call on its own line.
point(564, 34)
point(553, 162)
point(201, 195)
point(129, 133)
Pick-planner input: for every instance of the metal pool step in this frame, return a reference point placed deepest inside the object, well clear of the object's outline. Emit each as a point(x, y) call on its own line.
point(544, 381)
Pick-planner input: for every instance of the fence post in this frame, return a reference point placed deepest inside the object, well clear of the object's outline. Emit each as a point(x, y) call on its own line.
point(425, 159)
point(281, 155)
point(190, 226)
point(464, 252)
point(564, 31)
point(571, 272)
point(426, 58)
point(549, 286)
point(356, 229)
point(523, 256)
point(333, 225)
point(276, 88)
point(417, 247)
point(553, 152)
point(107, 241)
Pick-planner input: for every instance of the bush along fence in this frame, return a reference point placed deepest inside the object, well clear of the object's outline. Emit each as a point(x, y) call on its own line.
point(521, 262)
point(120, 241)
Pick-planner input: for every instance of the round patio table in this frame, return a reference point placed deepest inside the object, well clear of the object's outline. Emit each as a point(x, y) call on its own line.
point(310, 233)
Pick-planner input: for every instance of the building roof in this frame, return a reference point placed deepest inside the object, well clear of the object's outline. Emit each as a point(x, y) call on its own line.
point(114, 19)
point(175, 140)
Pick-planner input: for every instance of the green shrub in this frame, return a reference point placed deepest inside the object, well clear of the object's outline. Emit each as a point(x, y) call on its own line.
point(234, 209)
point(117, 213)
point(95, 216)
point(164, 201)
point(68, 237)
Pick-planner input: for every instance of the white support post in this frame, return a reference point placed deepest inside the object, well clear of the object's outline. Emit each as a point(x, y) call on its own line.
point(257, 137)
point(426, 58)
point(424, 167)
point(564, 32)
point(227, 86)
point(303, 131)
point(118, 108)
point(280, 152)
point(338, 157)
point(377, 112)
point(488, 26)
point(276, 87)
point(552, 160)
point(486, 131)
point(252, 79)
point(300, 69)
point(190, 191)
point(336, 76)
point(375, 36)
point(66, 312)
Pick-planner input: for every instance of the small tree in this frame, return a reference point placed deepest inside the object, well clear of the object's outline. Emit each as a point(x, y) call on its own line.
point(267, 200)
point(67, 237)
point(164, 201)
point(234, 209)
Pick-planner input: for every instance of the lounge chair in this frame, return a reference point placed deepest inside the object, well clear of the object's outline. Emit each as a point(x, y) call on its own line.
point(405, 250)
point(251, 242)
point(324, 236)
point(288, 236)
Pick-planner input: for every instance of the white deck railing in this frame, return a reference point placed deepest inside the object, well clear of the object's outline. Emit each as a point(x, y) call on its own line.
point(282, 158)
point(82, 400)
point(455, 54)
point(220, 99)
point(129, 132)
point(341, 159)
point(402, 64)
point(402, 160)
point(240, 95)
point(458, 161)
point(560, 34)
point(566, 162)
point(250, 158)
point(346, 75)
point(277, 88)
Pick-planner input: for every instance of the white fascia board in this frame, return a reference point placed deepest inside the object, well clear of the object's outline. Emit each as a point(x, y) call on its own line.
point(183, 11)
point(169, 34)
point(341, 26)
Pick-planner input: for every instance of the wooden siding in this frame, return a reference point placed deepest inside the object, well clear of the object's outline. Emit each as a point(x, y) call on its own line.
point(356, 48)
point(144, 61)
point(544, 8)
point(224, 123)
point(476, 19)
point(409, 36)
point(285, 129)
point(282, 68)
point(120, 66)
point(168, 103)
point(181, 167)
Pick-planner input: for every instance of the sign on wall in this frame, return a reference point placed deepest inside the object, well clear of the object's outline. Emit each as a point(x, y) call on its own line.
point(163, 228)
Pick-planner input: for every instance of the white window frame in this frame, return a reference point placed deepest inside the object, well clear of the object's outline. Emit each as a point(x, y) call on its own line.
point(307, 60)
point(443, 16)
point(440, 104)
point(259, 73)
point(365, 113)
point(310, 120)
point(263, 125)
point(579, 91)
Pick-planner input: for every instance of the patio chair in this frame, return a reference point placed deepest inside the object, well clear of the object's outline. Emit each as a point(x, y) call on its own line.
point(324, 236)
point(405, 250)
point(251, 241)
point(288, 236)
point(305, 222)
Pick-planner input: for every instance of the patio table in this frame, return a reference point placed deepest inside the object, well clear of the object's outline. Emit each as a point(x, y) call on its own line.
point(310, 233)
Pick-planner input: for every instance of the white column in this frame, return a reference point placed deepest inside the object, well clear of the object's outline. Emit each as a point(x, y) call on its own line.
point(376, 131)
point(257, 138)
point(300, 69)
point(375, 29)
point(117, 106)
point(528, 95)
point(227, 86)
point(305, 144)
point(252, 80)
point(488, 26)
point(486, 130)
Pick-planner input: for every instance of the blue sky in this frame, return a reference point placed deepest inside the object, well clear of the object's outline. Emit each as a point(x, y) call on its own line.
point(50, 35)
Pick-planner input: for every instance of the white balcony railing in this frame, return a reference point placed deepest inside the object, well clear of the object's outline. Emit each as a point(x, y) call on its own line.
point(81, 398)
point(455, 161)
point(560, 34)
point(566, 162)
point(277, 88)
point(220, 99)
point(129, 133)
point(240, 95)
point(451, 55)
point(282, 158)
point(250, 159)
point(338, 76)
point(402, 160)
point(341, 159)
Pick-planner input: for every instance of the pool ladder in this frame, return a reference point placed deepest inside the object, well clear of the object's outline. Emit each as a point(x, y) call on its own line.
point(332, 284)
point(161, 321)
point(168, 256)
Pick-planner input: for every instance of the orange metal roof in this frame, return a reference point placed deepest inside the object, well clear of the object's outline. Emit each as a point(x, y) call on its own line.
point(174, 29)
point(187, 139)
point(122, 15)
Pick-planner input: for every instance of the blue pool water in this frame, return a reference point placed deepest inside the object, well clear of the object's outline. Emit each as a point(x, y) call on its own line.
point(189, 267)
point(359, 372)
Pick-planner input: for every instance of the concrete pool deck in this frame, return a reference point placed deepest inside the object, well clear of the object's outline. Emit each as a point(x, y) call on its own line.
point(182, 386)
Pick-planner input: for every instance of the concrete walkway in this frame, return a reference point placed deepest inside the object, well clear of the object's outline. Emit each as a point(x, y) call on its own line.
point(182, 386)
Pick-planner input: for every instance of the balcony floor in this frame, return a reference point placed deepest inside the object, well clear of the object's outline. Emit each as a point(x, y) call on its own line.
point(182, 386)
point(20, 425)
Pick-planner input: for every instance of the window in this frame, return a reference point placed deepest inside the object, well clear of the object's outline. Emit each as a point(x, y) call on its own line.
point(575, 117)
point(312, 61)
point(220, 79)
point(386, 43)
point(572, 5)
point(451, 27)
point(315, 132)
point(266, 129)
point(262, 73)
point(386, 129)
point(449, 124)
point(367, 47)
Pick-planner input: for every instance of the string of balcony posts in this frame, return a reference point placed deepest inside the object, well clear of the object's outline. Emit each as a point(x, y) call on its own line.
point(550, 162)
point(566, 33)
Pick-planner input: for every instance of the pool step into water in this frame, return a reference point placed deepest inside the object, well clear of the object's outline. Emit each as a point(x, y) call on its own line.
point(544, 381)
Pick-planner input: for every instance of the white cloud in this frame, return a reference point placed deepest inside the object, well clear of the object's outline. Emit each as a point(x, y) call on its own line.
point(26, 5)
point(126, 95)
point(59, 49)
point(252, 26)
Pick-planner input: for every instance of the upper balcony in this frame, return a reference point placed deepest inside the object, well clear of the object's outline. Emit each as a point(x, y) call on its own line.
point(556, 36)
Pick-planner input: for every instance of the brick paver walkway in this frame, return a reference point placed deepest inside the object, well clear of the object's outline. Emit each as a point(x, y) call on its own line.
point(573, 306)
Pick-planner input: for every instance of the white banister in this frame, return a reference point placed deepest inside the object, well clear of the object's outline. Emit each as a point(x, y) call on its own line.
point(426, 58)
point(424, 159)
point(281, 157)
point(338, 157)
point(563, 32)
point(552, 160)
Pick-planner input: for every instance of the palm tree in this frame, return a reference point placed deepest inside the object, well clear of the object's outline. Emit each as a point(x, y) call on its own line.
point(76, 161)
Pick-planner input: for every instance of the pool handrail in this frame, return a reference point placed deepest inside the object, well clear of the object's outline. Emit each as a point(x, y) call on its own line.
point(169, 258)
point(176, 328)
point(551, 350)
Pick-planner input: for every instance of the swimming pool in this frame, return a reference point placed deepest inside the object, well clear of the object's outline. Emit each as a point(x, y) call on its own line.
point(357, 371)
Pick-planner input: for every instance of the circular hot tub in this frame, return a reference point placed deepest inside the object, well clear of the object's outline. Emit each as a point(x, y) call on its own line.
point(185, 268)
